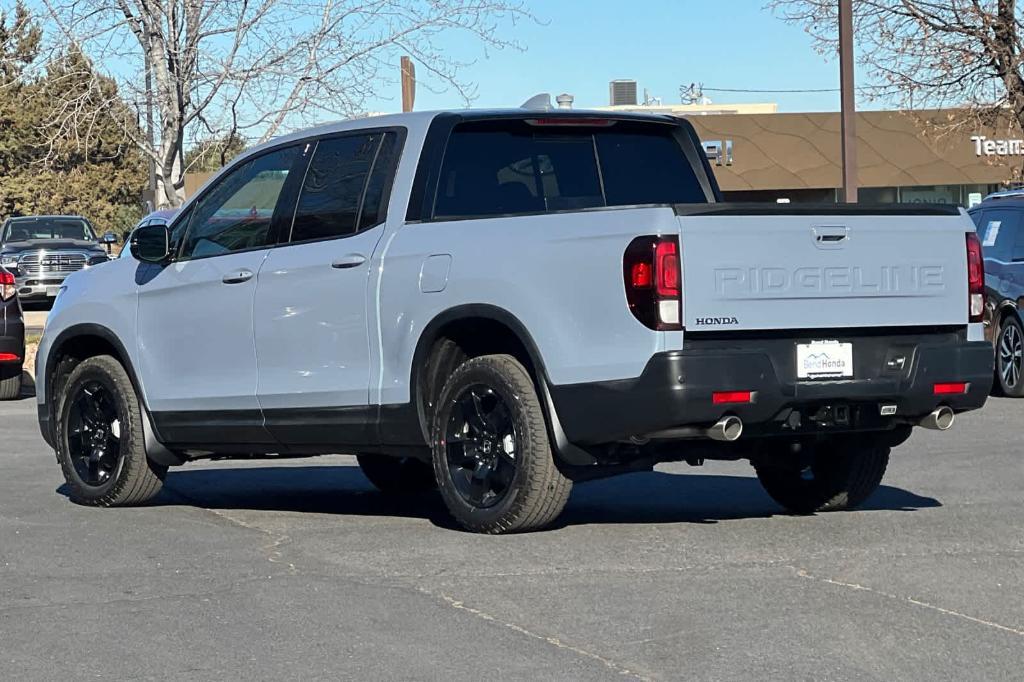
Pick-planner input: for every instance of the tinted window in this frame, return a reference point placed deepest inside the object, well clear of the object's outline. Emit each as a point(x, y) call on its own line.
point(1018, 245)
point(646, 167)
point(328, 205)
point(237, 212)
point(998, 232)
point(378, 188)
point(507, 167)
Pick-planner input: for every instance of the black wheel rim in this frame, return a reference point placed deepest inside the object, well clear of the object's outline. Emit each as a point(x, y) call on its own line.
point(481, 446)
point(94, 434)
point(1011, 355)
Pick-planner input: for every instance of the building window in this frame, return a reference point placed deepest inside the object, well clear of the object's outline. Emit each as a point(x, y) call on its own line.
point(878, 195)
point(931, 194)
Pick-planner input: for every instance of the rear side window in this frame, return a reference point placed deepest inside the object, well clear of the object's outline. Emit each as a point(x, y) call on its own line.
point(328, 205)
point(997, 230)
point(495, 168)
point(378, 187)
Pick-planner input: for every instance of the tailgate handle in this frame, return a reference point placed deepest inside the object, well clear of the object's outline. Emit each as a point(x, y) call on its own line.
point(830, 237)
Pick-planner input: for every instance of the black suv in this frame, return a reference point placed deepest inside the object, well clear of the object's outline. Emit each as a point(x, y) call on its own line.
point(1000, 222)
point(12, 338)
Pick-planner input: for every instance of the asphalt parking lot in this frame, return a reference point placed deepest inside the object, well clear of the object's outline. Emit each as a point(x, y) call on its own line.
point(299, 570)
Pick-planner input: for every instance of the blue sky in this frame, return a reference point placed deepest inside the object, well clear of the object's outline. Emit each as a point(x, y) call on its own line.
point(582, 44)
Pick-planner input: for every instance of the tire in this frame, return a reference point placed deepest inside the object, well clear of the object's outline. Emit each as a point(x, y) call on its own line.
point(837, 478)
point(397, 474)
point(10, 382)
point(98, 412)
point(491, 454)
point(1010, 358)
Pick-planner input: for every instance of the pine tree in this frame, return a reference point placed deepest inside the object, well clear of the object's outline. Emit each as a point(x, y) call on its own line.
point(54, 159)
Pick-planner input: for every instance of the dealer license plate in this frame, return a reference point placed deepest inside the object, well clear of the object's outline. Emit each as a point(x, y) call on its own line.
point(824, 360)
point(52, 291)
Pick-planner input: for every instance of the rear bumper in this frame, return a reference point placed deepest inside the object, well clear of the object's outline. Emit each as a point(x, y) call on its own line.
point(675, 389)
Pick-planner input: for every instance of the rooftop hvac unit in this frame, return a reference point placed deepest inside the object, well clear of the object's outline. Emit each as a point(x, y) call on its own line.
point(622, 93)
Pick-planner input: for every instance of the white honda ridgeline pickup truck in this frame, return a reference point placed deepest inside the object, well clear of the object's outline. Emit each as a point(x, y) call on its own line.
point(503, 303)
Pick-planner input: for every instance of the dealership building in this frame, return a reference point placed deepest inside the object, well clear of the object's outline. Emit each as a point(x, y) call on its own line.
point(915, 157)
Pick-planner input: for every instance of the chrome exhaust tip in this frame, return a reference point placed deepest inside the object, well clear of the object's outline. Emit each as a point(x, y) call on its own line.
point(728, 428)
point(940, 419)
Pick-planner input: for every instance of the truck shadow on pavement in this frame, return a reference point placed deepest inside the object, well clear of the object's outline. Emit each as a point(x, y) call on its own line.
point(652, 497)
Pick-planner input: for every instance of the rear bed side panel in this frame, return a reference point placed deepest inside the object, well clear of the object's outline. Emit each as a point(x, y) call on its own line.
point(784, 271)
point(560, 275)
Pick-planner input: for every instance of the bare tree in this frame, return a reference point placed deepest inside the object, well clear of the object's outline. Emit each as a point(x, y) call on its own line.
point(259, 67)
point(930, 54)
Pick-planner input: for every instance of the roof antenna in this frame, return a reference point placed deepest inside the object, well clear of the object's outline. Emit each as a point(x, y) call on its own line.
point(541, 102)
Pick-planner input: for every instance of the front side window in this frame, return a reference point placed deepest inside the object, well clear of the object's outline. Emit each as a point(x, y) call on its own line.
point(236, 214)
point(329, 202)
point(504, 167)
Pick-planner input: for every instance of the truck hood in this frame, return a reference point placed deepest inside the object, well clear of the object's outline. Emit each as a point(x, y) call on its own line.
point(51, 245)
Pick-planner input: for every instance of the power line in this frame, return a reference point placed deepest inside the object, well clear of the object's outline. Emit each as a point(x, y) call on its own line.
point(811, 90)
point(793, 91)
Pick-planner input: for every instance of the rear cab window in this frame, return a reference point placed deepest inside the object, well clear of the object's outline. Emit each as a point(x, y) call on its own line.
point(523, 166)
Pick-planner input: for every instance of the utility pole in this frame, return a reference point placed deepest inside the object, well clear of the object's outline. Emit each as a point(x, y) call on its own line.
point(849, 105)
point(408, 84)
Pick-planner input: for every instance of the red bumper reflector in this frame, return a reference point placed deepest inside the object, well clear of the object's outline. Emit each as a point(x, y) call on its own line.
point(954, 388)
point(725, 397)
point(9, 357)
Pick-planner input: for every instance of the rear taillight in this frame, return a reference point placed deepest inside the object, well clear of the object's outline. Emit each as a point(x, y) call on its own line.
point(7, 287)
point(975, 279)
point(654, 282)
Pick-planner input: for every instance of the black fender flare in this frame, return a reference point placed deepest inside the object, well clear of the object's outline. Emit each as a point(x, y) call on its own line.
point(155, 450)
point(570, 454)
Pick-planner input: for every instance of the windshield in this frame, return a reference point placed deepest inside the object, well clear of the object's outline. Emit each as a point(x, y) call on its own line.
point(20, 230)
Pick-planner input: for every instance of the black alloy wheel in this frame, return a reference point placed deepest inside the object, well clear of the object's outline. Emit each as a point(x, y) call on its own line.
point(492, 458)
point(1010, 358)
point(100, 439)
point(480, 446)
point(94, 434)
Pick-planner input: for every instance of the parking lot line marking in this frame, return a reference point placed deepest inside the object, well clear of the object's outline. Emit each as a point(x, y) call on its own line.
point(917, 602)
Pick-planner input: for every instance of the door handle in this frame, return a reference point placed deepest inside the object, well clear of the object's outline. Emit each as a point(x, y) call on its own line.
point(238, 276)
point(350, 260)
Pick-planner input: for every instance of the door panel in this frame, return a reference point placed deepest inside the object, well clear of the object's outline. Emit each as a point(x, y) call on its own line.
point(310, 324)
point(310, 316)
point(195, 335)
point(196, 314)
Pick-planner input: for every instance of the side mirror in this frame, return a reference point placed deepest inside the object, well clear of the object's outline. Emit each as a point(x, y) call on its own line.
point(151, 244)
point(109, 238)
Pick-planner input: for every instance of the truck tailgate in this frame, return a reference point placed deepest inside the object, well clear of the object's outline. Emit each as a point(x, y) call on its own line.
point(804, 271)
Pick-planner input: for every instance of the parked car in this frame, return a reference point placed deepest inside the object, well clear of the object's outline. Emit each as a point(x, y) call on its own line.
point(42, 250)
point(1000, 223)
point(12, 338)
point(503, 303)
point(160, 217)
